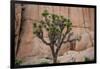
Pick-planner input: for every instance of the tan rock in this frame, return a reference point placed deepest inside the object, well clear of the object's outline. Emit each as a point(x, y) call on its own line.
point(74, 56)
point(70, 56)
point(64, 48)
point(84, 43)
point(40, 49)
point(37, 61)
point(65, 59)
point(88, 53)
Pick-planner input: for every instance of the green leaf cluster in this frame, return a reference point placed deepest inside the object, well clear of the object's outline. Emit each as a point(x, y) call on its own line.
point(18, 62)
point(54, 25)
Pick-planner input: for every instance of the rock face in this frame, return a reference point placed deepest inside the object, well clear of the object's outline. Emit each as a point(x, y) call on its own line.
point(64, 48)
point(74, 56)
point(40, 49)
point(88, 53)
point(37, 61)
point(69, 56)
point(85, 41)
point(26, 36)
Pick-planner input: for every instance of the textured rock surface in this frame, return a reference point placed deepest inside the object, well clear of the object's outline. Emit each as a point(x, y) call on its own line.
point(74, 56)
point(88, 53)
point(83, 43)
point(69, 56)
point(37, 61)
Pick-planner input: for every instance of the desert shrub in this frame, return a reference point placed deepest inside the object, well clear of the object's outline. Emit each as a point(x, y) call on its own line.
point(18, 62)
point(87, 59)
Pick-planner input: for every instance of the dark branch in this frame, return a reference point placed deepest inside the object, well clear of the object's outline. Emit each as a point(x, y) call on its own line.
point(71, 40)
point(42, 38)
point(68, 39)
point(61, 41)
point(45, 41)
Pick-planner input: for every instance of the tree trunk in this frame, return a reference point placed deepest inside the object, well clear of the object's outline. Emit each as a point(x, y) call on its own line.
point(55, 58)
point(54, 55)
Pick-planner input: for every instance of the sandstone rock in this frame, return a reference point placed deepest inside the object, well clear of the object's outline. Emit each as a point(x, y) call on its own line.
point(70, 56)
point(84, 43)
point(64, 48)
point(88, 53)
point(40, 49)
point(74, 56)
point(65, 59)
point(26, 34)
point(37, 61)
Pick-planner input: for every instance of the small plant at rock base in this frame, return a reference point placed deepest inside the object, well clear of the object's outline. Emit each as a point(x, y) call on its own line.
point(57, 28)
point(87, 59)
point(18, 62)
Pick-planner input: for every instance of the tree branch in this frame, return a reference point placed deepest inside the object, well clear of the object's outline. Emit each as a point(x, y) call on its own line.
point(68, 39)
point(71, 40)
point(42, 38)
point(58, 47)
point(45, 41)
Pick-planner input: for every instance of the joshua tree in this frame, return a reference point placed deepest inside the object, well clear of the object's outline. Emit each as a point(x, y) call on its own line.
point(58, 28)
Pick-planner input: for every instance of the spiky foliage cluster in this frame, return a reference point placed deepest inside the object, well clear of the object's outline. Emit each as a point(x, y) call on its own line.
point(54, 25)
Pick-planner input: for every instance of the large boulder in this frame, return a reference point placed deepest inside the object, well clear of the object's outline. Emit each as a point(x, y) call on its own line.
point(64, 48)
point(87, 40)
point(70, 56)
point(40, 49)
point(77, 56)
point(88, 53)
